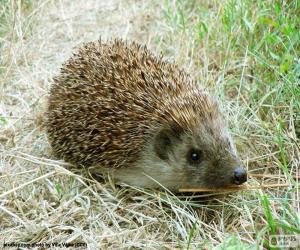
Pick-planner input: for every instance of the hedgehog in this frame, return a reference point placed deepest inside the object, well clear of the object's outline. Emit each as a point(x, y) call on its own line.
point(117, 108)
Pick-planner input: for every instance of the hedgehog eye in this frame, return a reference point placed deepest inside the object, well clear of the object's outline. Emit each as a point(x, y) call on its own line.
point(195, 156)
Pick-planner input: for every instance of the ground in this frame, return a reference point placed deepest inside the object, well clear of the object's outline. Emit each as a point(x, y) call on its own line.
point(245, 52)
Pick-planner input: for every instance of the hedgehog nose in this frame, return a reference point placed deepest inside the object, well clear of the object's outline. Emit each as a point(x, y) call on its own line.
point(240, 175)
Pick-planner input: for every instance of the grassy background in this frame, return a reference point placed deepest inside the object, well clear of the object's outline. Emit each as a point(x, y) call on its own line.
point(245, 52)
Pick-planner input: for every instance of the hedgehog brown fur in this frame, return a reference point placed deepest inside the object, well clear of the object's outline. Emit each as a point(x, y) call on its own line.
point(117, 107)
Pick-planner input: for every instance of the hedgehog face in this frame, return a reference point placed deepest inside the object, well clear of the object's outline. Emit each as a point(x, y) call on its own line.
point(209, 157)
point(177, 158)
point(204, 157)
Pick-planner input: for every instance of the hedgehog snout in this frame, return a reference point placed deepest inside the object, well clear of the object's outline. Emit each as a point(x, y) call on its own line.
point(239, 175)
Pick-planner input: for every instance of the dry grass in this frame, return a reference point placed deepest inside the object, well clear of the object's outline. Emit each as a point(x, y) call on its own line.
point(40, 201)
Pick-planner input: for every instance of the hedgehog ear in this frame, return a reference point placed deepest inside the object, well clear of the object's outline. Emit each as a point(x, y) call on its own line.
point(165, 140)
